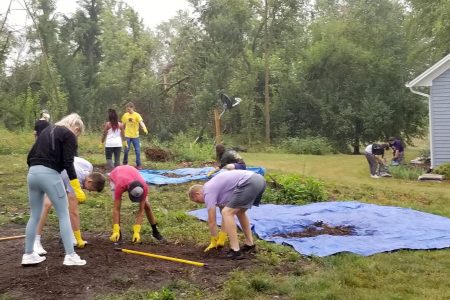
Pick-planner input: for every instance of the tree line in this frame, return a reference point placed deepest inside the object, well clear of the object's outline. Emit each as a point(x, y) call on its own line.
point(327, 68)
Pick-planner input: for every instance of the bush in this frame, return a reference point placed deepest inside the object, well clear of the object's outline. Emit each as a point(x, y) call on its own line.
point(185, 150)
point(443, 169)
point(406, 172)
point(309, 145)
point(294, 189)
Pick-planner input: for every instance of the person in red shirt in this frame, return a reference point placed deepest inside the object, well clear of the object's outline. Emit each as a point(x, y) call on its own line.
point(127, 179)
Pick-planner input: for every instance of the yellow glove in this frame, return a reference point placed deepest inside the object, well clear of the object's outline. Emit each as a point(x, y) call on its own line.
point(145, 130)
point(80, 242)
point(136, 235)
point(125, 144)
point(101, 146)
point(210, 173)
point(115, 236)
point(79, 194)
point(221, 239)
point(213, 244)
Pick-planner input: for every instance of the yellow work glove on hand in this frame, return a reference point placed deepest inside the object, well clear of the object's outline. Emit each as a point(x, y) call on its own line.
point(79, 194)
point(136, 235)
point(125, 144)
point(80, 242)
point(221, 239)
point(145, 130)
point(101, 146)
point(210, 173)
point(115, 236)
point(213, 244)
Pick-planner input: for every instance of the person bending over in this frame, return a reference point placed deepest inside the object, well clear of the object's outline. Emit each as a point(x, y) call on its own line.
point(128, 179)
point(228, 159)
point(234, 193)
point(398, 151)
point(89, 180)
point(374, 154)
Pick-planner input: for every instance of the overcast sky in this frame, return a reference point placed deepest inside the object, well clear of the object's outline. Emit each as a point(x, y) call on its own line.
point(153, 12)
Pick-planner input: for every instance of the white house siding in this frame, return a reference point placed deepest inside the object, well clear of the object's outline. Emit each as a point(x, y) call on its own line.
point(440, 119)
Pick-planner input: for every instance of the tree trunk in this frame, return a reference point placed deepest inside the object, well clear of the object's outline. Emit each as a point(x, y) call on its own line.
point(266, 76)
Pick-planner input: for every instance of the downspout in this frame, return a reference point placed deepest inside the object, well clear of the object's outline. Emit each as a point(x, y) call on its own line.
point(429, 122)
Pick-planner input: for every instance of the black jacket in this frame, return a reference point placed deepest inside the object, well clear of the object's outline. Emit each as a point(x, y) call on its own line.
point(55, 148)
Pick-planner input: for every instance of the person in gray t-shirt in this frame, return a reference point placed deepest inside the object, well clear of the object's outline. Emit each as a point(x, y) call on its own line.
point(233, 192)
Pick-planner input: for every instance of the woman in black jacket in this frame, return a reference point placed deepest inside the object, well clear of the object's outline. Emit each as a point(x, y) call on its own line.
point(53, 152)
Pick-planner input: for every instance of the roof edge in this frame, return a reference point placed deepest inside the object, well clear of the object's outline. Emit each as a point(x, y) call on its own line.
point(431, 73)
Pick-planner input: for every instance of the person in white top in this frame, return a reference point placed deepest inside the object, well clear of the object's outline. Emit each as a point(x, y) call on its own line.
point(374, 154)
point(91, 181)
point(113, 138)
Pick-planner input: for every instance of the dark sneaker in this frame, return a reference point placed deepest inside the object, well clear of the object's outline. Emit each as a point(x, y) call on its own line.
point(248, 249)
point(157, 236)
point(235, 255)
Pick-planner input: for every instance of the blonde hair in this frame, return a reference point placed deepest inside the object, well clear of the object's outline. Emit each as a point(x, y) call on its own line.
point(72, 121)
point(194, 189)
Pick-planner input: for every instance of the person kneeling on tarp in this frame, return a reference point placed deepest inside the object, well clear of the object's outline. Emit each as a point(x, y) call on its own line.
point(234, 193)
point(128, 179)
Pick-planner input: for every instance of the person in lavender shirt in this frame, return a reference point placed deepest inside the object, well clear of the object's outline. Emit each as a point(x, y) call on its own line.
point(233, 192)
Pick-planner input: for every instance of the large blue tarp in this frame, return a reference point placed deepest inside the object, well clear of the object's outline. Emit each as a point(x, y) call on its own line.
point(376, 228)
point(162, 177)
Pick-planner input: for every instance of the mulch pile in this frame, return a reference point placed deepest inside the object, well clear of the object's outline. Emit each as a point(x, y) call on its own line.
point(320, 228)
point(157, 154)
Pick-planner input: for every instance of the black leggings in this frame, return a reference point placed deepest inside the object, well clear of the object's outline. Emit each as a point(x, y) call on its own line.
point(109, 152)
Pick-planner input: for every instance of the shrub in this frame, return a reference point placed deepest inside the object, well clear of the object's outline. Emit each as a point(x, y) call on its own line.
point(309, 145)
point(294, 189)
point(406, 172)
point(443, 169)
point(184, 149)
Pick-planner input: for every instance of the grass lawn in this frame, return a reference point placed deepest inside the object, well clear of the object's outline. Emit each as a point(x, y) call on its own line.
point(279, 272)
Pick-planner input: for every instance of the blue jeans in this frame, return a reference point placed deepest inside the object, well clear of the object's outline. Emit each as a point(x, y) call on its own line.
point(42, 180)
point(137, 150)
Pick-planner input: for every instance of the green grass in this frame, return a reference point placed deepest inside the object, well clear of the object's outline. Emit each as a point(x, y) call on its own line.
point(279, 272)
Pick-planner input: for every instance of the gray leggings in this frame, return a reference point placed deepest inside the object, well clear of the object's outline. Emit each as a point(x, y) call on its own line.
point(42, 180)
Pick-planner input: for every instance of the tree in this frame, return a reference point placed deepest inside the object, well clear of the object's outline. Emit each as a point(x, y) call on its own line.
point(355, 69)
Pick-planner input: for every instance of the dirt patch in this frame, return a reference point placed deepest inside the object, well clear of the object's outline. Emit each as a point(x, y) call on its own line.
point(157, 154)
point(107, 271)
point(320, 228)
point(190, 164)
point(101, 169)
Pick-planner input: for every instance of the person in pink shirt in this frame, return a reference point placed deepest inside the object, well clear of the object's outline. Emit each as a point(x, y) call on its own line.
point(233, 192)
point(127, 179)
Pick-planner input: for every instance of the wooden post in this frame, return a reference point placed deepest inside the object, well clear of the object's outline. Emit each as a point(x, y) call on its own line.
point(217, 124)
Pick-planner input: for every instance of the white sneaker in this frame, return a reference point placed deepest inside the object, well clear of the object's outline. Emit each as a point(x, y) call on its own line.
point(374, 176)
point(32, 259)
point(37, 247)
point(73, 260)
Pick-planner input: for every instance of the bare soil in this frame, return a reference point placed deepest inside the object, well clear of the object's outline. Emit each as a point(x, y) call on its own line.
point(107, 271)
point(320, 228)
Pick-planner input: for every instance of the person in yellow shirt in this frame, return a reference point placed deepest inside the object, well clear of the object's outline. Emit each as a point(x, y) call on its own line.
point(131, 121)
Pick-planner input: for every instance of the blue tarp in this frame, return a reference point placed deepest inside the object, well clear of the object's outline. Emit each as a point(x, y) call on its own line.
point(376, 228)
point(157, 177)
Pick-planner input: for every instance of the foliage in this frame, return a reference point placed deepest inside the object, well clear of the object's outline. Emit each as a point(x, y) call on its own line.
point(308, 145)
point(276, 271)
point(294, 189)
point(406, 172)
point(185, 149)
point(443, 169)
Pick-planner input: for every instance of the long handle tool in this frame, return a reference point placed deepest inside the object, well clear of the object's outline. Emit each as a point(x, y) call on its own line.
point(189, 262)
point(12, 237)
